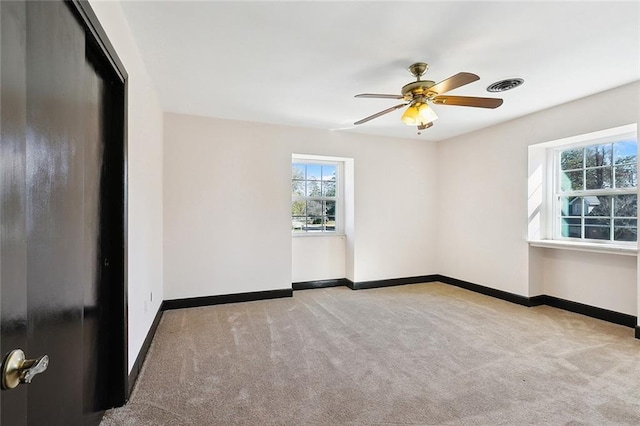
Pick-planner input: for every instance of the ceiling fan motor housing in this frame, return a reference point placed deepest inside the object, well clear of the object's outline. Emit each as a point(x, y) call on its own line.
point(418, 88)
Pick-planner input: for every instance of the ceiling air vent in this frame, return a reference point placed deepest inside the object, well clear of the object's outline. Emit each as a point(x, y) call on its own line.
point(504, 85)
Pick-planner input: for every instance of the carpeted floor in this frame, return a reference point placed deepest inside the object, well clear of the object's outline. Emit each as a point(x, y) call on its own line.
point(422, 354)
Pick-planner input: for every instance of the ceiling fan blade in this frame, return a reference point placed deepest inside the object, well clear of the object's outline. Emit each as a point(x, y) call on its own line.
point(469, 101)
point(378, 114)
point(453, 82)
point(377, 96)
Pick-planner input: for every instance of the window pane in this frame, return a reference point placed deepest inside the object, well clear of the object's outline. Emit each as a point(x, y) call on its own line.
point(597, 229)
point(297, 188)
point(313, 188)
point(571, 227)
point(297, 171)
point(298, 223)
point(298, 208)
point(625, 152)
point(315, 226)
point(570, 206)
point(314, 216)
point(571, 181)
point(599, 178)
point(625, 230)
point(297, 179)
point(625, 205)
point(330, 207)
point(314, 209)
point(626, 176)
point(571, 159)
point(329, 172)
point(597, 206)
point(314, 171)
point(331, 223)
point(598, 155)
point(328, 188)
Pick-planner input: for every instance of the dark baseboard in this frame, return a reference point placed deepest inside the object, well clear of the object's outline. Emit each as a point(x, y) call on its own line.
point(543, 299)
point(362, 285)
point(306, 285)
point(194, 302)
point(593, 312)
point(488, 291)
point(538, 300)
point(137, 365)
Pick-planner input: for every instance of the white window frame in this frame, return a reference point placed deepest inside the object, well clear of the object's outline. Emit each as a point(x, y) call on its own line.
point(544, 189)
point(339, 197)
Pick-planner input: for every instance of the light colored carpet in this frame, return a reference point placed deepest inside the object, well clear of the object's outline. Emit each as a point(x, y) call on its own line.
point(422, 354)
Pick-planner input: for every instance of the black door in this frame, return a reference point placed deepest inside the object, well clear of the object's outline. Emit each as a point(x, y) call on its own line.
point(61, 214)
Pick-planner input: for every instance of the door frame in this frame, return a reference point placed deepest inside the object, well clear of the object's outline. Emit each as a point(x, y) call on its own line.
point(117, 195)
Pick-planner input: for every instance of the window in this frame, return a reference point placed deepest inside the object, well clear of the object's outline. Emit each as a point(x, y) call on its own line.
point(315, 200)
point(595, 190)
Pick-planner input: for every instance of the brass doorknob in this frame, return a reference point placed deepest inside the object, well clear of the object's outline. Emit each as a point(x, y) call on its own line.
point(16, 369)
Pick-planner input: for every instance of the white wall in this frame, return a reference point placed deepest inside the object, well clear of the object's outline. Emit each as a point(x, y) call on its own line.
point(224, 200)
point(145, 178)
point(482, 188)
point(225, 179)
point(318, 258)
point(395, 208)
point(482, 215)
point(597, 279)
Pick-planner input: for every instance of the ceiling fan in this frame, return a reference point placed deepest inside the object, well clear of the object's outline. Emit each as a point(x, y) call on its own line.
point(419, 93)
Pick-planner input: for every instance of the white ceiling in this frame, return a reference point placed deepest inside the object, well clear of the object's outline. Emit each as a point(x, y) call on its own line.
point(301, 63)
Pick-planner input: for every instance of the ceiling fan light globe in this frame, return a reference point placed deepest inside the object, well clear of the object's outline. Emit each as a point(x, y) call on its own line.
point(410, 116)
point(426, 114)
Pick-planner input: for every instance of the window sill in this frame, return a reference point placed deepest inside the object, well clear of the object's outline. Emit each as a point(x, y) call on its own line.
point(625, 250)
